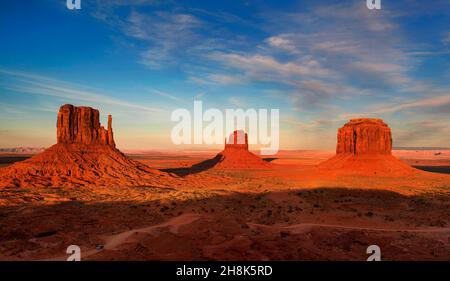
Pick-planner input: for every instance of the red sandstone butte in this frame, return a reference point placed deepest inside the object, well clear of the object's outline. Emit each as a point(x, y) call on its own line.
point(237, 140)
point(85, 155)
point(82, 125)
point(364, 135)
point(235, 155)
point(364, 147)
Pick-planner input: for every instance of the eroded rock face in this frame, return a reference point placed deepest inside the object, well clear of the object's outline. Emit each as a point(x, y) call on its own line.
point(364, 136)
point(235, 156)
point(237, 140)
point(364, 149)
point(85, 155)
point(82, 125)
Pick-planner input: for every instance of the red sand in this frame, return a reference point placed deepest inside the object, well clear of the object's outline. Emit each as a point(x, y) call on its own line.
point(235, 206)
point(81, 165)
point(367, 165)
point(240, 159)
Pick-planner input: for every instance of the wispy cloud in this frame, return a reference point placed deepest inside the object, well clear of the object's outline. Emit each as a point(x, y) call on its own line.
point(237, 102)
point(217, 79)
point(431, 105)
point(446, 38)
point(167, 36)
point(432, 102)
point(29, 83)
point(322, 62)
point(283, 42)
point(430, 132)
point(267, 67)
point(166, 95)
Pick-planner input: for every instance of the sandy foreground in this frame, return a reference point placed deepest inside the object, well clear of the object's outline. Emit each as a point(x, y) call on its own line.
point(290, 212)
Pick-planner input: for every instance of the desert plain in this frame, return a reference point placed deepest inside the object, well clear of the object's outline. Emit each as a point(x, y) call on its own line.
point(290, 206)
point(278, 214)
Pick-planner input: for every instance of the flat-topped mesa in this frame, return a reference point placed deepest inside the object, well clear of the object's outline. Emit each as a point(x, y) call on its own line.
point(237, 140)
point(364, 136)
point(81, 125)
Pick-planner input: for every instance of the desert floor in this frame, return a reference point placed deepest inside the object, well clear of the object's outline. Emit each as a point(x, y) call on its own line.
point(290, 212)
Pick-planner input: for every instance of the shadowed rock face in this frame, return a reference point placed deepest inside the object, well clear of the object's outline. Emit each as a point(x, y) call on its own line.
point(81, 125)
point(364, 136)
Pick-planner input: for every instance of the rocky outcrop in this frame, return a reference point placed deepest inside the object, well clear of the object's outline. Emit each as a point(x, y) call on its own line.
point(85, 155)
point(82, 125)
point(237, 140)
point(364, 148)
point(364, 136)
point(234, 156)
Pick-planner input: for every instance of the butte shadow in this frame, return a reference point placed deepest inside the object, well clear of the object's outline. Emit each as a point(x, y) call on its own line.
point(235, 156)
point(308, 224)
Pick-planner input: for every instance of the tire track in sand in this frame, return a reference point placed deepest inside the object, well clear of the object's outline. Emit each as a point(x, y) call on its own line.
point(115, 240)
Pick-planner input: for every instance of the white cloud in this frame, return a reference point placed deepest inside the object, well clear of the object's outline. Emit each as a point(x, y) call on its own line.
point(358, 13)
point(376, 67)
point(266, 67)
point(283, 42)
point(217, 79)
point(330, 60)
point(430, 104)
point(338, 46)
point(226, 79)
point(420, 103)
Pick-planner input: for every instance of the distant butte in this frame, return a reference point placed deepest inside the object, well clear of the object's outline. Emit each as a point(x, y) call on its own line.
point(238, 140)
point(235, 155)
point(364, 147)
point(85, 155)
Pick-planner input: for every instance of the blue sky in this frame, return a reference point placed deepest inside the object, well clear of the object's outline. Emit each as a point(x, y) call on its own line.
point(320, 62)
